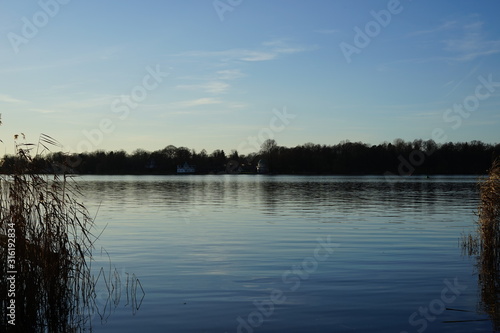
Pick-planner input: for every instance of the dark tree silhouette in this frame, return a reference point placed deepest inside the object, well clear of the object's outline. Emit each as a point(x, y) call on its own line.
point(400, 157)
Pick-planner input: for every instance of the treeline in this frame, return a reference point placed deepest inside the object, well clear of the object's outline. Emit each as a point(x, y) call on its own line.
point(399, 157)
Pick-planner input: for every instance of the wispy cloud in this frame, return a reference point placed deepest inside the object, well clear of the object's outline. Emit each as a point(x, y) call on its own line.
point(247, 55)
point(196, 102)
point(230, 74)
point(214, 84)
point(472, 72)
point(448, 83)
point(237, 105)
point(472, 44)
point(283, 46)
point(221, 81)
point(43, 111)
point(460, 42)
point(234, 54)
point(212, 87)
point(9, 99)
point(428, 114)
point(445, 26)
point(267, 51)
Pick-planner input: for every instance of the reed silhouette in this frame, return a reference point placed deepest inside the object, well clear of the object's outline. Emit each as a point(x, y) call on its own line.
point(49, 271)
point(485, 244)
point(489, 231)
point(53, 244)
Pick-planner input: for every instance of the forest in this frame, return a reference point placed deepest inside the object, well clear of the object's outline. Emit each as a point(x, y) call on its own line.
point(400, 157)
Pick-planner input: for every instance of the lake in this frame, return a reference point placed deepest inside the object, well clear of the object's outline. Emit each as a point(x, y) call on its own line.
point(260, 253)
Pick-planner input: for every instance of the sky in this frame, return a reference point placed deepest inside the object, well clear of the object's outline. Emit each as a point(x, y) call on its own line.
point(229, 74)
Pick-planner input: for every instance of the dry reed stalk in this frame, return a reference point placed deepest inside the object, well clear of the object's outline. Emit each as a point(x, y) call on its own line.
point(55, 290)
point(489, 209)
point(489, 243)
point(53, 246)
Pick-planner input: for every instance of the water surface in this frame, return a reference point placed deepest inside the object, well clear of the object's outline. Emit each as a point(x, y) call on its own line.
point(243, 253)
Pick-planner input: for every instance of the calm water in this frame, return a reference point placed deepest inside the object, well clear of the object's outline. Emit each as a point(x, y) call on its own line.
point(286, 254)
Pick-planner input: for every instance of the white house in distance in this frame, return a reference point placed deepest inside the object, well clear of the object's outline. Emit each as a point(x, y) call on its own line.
point(186, 168)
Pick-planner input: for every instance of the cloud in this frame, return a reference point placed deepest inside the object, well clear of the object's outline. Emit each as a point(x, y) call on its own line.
point(426, 114)
point(230, 74)
point(445, 26)
point(219, 82)
point(472, 72)
point(215, 83)
point(43, 111)
point(9, 99)
point(212, 87)
point(267, 51)
point(448, 83)
point(233, 54)
point(282, 46)
point(257, 56)
point(196, 102)
point(472, 44)
point(463, 42)
point(238, 105)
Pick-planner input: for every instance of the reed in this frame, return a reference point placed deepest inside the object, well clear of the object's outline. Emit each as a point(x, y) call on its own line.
point(489, 234)
point(53, 247)
point(489, 211)
point(485, 244)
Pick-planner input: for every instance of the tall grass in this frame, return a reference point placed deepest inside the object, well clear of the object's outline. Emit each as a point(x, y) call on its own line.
point(489, 211)
point(53, 247)
point(489, 232)
point(486, 243)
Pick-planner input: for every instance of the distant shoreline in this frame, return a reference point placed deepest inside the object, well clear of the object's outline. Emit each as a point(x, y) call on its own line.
point(346, 158)
point(271, 175)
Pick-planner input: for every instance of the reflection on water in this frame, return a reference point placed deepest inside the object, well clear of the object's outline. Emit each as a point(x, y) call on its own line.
point(210, 246)
point(113, 288)
point(275, 193)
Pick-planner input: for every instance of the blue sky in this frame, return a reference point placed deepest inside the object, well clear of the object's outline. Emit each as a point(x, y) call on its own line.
point(369, 71)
